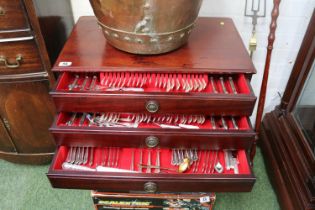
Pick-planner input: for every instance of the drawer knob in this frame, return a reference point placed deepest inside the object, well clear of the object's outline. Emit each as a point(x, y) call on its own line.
point(17, 63)
point(2, 12)
point(152, 106)
point(150, 187)
point(152, 141)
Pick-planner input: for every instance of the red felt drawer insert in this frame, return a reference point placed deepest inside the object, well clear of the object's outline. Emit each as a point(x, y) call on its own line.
point(217, 122)
point(154, 82)
point(125, 154)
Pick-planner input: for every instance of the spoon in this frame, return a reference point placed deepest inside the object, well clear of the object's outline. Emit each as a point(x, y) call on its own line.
point(181, 168)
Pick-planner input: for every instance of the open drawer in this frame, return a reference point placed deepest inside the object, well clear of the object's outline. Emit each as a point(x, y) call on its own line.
point(152, 130)
point(151, 170)
point(154, 93)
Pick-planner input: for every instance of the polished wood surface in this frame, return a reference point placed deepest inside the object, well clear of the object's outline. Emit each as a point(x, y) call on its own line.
point(274, 169)
point(293, 163)
point(27, 158)
point(13, 15)
point(144, 27)
point(6, 143)
point(29, 112)
point(32, 16)
point(206, 102)
point(175, 103)
point(263, 88)
point(31, 61)
point(165, 182)
point(26, 109)
point(271, 40)
point(130, 182)
point(168, 138)
point(288, 153)
point(214, 46)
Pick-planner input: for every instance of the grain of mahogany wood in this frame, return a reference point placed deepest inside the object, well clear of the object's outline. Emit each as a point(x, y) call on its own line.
point(26, 110)
point(13, 15)
point(214, 46)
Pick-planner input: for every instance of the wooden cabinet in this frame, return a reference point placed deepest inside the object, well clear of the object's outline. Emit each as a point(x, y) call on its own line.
point(5, 140)
point(26, 109)
point(28, 112)
point(13, 16)
point(122, 116)
point(181, 102)
point(287, 133)
point(19, 56)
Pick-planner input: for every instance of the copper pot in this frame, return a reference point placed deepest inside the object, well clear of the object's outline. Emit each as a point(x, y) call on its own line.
point(146, 26)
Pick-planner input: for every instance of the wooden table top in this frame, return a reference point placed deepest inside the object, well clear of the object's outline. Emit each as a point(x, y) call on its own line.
point(214, 46)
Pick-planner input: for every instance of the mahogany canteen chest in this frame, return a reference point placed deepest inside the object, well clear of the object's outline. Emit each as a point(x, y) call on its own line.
point(175, 122)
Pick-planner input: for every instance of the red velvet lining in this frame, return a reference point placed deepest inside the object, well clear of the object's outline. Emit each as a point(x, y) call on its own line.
point(125, 155)
point(239, 80)
point(242, 122)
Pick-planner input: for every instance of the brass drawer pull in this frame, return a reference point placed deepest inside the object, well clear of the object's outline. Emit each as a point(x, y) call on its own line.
point(150, 187)
point(2, 12)
point(18, 59)
point(152, 141)
point(152, 106)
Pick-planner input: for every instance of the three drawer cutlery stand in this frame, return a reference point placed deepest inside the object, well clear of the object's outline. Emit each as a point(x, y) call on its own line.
point(175, 122)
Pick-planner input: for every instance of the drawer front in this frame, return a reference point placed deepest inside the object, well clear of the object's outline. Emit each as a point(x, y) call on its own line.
point(19, 56)
point(205, 140)
point(62, 177)
point(150, 94)
point(201, 131)
point(208, 133)
point(128, 184)
point(12, 15)
point(166, 104)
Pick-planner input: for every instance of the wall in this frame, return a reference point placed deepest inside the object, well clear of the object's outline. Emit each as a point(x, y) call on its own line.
point(307, 98)
point(292, 23)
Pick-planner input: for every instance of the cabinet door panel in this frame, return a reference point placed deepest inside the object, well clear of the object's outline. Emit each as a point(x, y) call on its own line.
point(6, 144)
point(29, 112)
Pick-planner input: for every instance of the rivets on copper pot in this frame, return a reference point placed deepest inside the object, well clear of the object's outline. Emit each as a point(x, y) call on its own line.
point(153, 40)
point(127, 38)
point(170, 38)
point(146, 6)
point(145, 30)
point(115, 35)
point(140, 41)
